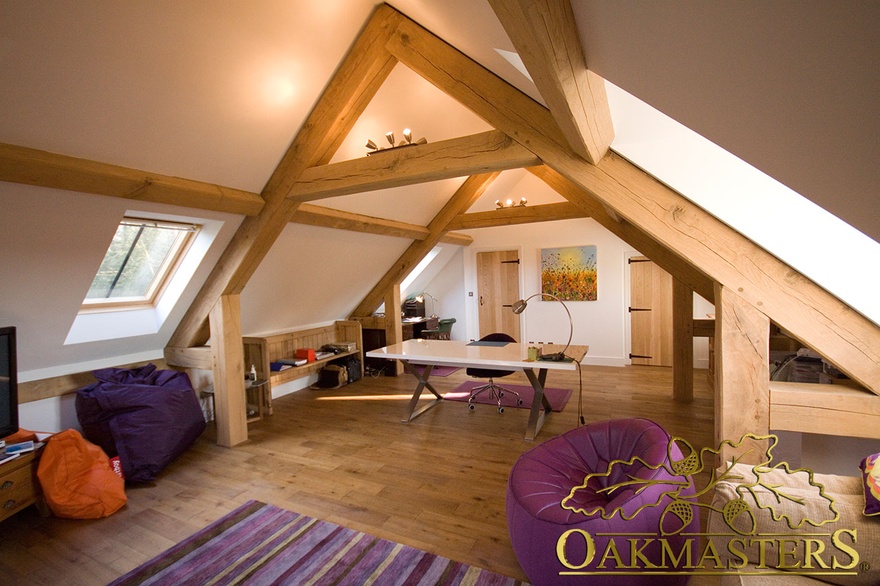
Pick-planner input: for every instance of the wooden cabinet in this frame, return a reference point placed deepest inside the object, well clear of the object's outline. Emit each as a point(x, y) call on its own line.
point(18, 484)
point(262, 351)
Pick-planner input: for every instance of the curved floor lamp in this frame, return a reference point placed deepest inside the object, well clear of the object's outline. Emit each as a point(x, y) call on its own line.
point(520, 306)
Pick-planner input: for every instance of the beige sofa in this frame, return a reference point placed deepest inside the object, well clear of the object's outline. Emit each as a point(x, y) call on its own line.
point(848, 498)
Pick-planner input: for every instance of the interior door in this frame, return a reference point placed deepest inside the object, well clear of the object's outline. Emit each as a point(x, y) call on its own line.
point(650, 313)
point(498, 289)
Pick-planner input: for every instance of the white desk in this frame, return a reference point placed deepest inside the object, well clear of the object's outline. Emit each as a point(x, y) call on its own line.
point(512, 356)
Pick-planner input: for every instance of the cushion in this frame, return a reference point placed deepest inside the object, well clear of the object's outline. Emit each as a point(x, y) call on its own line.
point(147, 417)
point(77, 479)
point(871, 484)
point(846, 494)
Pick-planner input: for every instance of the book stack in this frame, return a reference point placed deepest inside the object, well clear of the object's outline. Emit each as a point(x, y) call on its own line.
point(12, 451)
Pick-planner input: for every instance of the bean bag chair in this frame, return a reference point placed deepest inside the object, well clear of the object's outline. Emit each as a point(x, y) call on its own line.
point(628, 463)
point(77, 479)
point(147, 417)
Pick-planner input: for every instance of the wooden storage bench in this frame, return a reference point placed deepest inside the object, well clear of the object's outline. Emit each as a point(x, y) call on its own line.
point(261, 351)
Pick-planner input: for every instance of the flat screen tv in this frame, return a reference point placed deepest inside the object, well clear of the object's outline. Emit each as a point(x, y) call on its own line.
point(8, 383)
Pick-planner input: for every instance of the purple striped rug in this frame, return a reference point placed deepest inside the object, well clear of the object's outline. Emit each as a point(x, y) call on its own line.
point(263, 544)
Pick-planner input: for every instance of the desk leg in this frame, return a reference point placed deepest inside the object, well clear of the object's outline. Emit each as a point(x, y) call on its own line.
point(411, 412)
point(541, 408)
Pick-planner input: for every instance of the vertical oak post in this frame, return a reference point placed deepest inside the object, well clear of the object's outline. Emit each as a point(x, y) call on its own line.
point(228, 357)
point(682, 341)
point(393, 324)
point(742, 376)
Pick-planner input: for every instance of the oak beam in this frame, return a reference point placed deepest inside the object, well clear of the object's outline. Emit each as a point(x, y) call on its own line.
point(325, 217)
point(742, 376)
point(230, 409)
point(361, 73)
point(196, 357)
point(469, 192)
point(393, 324)
point(547, 40)
point(682, 341)
point(34, 167)
point(67, 384)
point(826, 409)
point(666, 259)
point(847, 339)
point(516, 215)
point(457, 157)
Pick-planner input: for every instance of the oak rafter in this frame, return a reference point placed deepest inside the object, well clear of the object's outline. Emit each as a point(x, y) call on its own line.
point(546, 39)
point(469, 192)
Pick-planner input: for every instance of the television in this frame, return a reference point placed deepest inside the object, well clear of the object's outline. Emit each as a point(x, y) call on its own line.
point(8, 383)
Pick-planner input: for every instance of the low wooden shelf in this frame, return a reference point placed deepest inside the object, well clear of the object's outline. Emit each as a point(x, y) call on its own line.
point(261, 351)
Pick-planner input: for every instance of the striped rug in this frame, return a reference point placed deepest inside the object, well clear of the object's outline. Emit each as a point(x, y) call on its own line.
point(263, 544)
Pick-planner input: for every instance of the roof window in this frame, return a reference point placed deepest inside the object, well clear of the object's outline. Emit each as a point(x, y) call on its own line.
point(142, 257)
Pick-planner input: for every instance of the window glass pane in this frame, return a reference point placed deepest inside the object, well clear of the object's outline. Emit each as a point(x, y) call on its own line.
point(137, 259)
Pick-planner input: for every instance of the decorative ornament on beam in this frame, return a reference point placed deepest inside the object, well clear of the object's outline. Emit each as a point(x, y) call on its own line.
point(509, 203)
point(407, 141)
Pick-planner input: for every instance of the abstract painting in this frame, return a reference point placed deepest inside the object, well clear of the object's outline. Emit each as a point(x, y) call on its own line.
point(569, 273)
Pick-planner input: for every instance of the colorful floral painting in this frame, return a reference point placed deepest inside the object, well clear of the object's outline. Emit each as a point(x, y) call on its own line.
point(569, 273)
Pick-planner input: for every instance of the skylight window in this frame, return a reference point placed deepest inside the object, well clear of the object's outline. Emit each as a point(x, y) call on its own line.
point(140, 260)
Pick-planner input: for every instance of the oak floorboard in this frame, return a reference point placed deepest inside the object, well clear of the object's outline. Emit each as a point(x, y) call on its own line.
point(438, 482)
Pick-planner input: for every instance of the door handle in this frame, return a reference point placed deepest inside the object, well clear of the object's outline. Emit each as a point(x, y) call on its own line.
point(481, 301)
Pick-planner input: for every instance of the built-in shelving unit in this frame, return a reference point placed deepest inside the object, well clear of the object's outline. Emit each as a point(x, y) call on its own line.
point(261, 351)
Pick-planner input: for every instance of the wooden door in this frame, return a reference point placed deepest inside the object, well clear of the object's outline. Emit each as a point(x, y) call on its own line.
point(498, 288)
point(650, 313)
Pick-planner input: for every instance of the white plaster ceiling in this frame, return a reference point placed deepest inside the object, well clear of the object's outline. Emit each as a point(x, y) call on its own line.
point(214, 91)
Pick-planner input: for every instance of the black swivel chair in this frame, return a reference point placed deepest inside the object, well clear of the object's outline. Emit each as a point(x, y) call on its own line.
point(496, 392)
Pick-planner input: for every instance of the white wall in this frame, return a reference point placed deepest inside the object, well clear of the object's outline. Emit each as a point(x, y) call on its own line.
point(51, 244)
point(313, 276)
point(601, 324)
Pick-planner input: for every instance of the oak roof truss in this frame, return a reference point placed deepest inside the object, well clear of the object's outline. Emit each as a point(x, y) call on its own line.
point(558, 144)
point(566, 145)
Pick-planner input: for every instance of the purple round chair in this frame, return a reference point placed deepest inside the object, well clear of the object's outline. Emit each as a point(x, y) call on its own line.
point(648, 496)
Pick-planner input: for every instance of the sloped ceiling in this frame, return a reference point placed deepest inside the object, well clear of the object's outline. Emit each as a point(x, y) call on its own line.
point(215, 91)
point(790, 87)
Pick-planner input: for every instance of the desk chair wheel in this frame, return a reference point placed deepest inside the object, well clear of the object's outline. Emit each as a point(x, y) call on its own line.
point(501, 396)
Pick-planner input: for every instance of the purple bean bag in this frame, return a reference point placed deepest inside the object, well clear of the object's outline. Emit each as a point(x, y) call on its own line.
point(147, 417)
point(553, 474)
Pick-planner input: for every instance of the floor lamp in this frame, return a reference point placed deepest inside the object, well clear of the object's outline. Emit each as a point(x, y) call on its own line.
point(521, 305)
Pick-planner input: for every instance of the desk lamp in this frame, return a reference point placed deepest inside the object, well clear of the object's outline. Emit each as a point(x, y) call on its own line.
point(520, 306)
point(433, 299)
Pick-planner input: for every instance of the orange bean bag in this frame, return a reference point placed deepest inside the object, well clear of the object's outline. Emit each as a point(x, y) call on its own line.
point(77, 479)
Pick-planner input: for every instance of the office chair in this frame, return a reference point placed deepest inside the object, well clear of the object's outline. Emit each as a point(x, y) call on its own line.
point(443, 331)
point(496, 392)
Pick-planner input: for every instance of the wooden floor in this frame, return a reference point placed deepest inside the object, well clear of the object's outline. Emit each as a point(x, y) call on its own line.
point(437, 483)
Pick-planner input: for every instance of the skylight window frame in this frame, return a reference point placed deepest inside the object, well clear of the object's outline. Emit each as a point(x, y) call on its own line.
point(164, 274)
